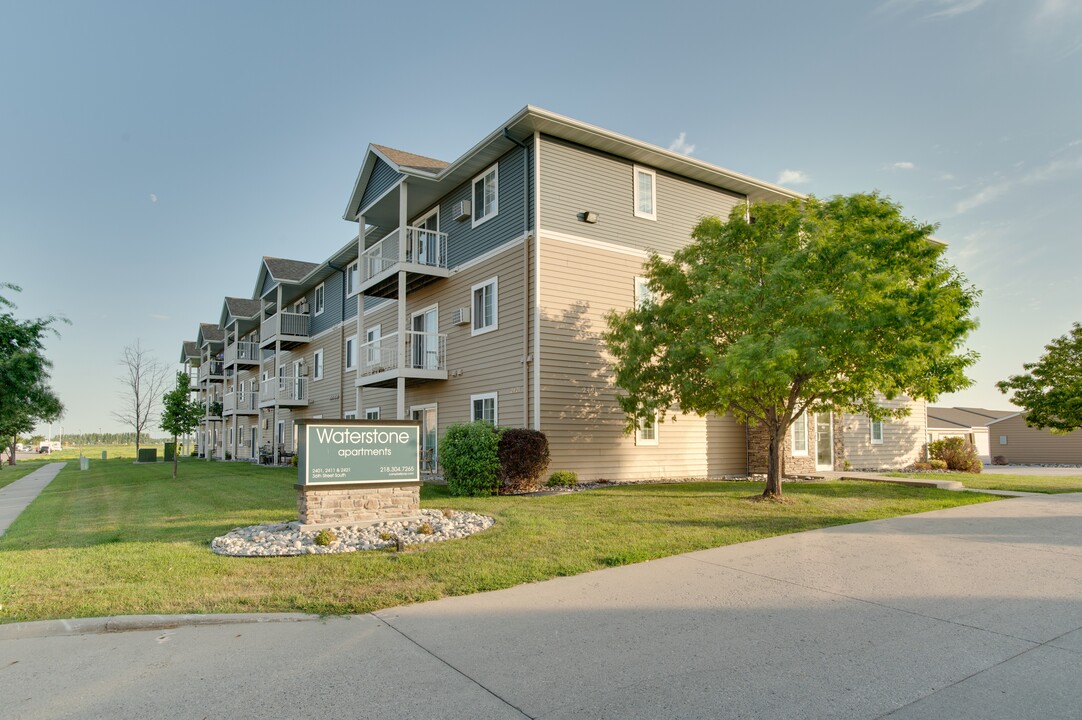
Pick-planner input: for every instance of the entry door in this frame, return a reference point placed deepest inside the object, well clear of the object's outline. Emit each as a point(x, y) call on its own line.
point(297, 393)
point(255, 439)
point(824, 442)
point(427, 415)
point(425, 340)
point(428, 244)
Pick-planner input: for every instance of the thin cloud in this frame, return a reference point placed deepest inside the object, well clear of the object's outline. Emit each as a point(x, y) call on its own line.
point(153, 198)
point(792, 177)
point(939, 8)
point(681, 145)
point(159, 318)
point(904, 165)
point(1053, 170)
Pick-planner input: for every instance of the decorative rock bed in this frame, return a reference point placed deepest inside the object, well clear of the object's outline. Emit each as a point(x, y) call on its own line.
point(287, 539)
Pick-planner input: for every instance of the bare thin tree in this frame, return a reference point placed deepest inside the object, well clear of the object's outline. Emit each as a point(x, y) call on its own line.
point(143, 379)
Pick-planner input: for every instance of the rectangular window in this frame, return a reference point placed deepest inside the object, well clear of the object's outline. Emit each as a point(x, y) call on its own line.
point(646, 432)
point(281, 431)
point(645, 193)
point(484, 306)
point(483, 407)
point(371, 337)
point(877, 432)
point(351, 352)
point(799, 430)
point(353, 280)
point(349, 415)
point(371, 413)
point(317, 365)
point(643, 294)
point(1002, 439)
point(486, 195)
point(318, 298)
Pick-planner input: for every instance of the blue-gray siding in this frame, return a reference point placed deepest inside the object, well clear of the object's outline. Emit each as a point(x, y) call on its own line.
point(575, 179)
point(268, 283)
point(332, 304)
point(383, 176)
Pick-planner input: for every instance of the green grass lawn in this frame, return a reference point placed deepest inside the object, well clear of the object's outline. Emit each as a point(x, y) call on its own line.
point(127, 539)
point(10, 474)
point(1021, 483)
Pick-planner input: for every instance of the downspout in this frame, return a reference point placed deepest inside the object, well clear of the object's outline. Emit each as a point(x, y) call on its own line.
point(526, 359)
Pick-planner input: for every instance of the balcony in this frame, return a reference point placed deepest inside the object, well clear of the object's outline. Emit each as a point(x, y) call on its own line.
point(290, 328)
point(425, 262)
point(244, 352)
point(212, 370)
point(425, 360)
point(240, 403)
point(284, 392)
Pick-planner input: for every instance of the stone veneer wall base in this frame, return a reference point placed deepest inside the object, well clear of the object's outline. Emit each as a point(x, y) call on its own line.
point(356, 505)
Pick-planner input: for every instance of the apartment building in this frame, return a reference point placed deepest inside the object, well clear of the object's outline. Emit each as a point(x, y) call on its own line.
point(478, 289)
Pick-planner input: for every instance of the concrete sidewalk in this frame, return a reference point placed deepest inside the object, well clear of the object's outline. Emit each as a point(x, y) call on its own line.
point(970, 612)
point(15, 497)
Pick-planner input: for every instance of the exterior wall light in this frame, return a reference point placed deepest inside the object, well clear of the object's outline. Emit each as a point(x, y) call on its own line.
point(590, 217)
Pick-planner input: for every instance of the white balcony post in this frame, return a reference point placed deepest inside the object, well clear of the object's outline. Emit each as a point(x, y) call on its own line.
point(360, 311)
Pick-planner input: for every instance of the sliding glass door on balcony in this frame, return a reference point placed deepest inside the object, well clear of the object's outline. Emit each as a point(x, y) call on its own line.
point(425, 350)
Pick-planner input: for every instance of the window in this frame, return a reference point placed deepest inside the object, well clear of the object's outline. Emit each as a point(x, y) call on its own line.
point(485, 195)
point(646, 432)
point(877, 432)
point(318, 299)
point(230, 436)
point(317, 365)
point(799, 431)
point(351, 352)
point(349, 415)
point(371, 342)
point(643, 293)
point(645, 193)
point(484, 307)
point(483, 407)
point(371, 413)
point(281, 431)
point(352, 278)
point(1002, 439)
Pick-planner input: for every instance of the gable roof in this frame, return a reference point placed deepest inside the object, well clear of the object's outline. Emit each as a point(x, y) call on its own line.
point(284, 270)
point(959, 417)
point(409, 160)
point(209, 333)
point(242, 307)
point(189, 351)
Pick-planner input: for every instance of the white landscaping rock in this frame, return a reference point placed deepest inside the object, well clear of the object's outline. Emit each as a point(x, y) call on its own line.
point(286, 539)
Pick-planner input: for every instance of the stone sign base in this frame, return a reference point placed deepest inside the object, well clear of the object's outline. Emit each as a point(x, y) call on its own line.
point(360, 504)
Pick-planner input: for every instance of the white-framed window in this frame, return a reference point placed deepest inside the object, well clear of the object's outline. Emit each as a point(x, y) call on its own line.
point(317, 365)
point(372, 353)
point(485, 298)
point(646, 432)
point(281, 434)
point(230, 436)
point(371, 413)
point(1002, 439)
point(349, 415)
point(877, 432)
point(643, 293)
point(799, 432)
point(645, 193)
point(318, 298)
point(353, 278)
point(484, 407)
point(351, 352)
point(486, 195)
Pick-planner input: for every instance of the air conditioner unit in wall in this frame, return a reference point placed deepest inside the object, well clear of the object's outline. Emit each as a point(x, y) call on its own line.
point(461, 316)
point(462, 210)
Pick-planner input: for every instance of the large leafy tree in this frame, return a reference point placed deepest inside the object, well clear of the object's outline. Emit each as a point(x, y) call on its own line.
point(1051, 388)
point(25, 395)
point(820, 305)
point(180, 414)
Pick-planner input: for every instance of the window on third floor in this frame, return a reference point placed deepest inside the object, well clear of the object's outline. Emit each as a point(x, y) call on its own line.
point(486, 195)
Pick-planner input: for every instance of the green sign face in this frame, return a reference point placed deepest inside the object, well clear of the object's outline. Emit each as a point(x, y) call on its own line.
point(336, 452)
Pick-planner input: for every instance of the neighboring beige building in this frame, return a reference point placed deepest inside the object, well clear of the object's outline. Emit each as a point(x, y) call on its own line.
point(1020, 444)
point(968, 423)
point(478, 289)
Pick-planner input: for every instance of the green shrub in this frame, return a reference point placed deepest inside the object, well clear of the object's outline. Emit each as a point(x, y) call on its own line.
point(425, 529)
point(937, 464)
point(325, 537)
point(563, 478)
point(469, 455)
point(524, 457)
point(293, 461)
point(999, 460)
point(957, 453)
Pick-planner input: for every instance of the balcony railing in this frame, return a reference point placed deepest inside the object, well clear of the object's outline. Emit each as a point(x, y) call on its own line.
point(284, 323)
point(212, 368)
point(423, 247)
point(292, 389)
point(244, 351)
point(424, 351)
point(240, 402)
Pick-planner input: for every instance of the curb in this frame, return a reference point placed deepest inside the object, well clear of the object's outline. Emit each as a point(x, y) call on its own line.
point(132, 623)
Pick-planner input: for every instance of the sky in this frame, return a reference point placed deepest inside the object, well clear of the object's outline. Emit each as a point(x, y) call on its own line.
point(151, 153)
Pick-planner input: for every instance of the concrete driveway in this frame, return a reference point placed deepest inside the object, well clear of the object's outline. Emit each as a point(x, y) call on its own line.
point(972, 612)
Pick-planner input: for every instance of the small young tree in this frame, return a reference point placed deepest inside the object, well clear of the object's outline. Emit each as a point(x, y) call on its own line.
point(820, 305)
point(180, 414)
point(1051, 388)
point(143, 380)
point(25, 396)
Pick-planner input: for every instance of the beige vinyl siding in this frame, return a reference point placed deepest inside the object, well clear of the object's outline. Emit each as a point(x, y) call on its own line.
point(579, 412)
point(1030, 445)
point(575, 179)
point(903, 438)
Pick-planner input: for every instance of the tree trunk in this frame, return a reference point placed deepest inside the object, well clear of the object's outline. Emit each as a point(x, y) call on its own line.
point(14, 442)
point(775, 466)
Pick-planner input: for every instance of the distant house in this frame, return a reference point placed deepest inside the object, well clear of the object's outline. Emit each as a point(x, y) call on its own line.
point(1020, 444)
point(968, 423)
